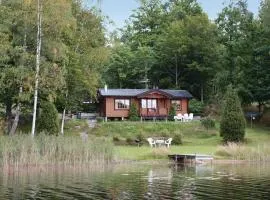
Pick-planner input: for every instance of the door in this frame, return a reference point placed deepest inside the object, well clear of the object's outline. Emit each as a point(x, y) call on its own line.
point(149, 107)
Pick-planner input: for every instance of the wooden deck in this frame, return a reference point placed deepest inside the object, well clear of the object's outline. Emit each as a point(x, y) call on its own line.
point(189, 158)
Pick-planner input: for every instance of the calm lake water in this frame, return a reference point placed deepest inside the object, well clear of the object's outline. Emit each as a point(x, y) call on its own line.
point(139, 181)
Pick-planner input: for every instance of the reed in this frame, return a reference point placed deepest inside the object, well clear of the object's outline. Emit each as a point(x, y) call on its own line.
point(240, 152)
point(23, 150)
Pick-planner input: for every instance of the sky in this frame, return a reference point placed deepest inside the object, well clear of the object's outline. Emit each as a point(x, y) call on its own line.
point(119, 10)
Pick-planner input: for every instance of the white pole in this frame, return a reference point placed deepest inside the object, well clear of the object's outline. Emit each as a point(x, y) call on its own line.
point(63, 122)
point(39, 8)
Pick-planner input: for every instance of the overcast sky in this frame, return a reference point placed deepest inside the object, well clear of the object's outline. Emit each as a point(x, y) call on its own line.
point(119, 10)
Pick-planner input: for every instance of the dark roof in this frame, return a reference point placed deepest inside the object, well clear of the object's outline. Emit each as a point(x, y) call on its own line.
point(137, 92)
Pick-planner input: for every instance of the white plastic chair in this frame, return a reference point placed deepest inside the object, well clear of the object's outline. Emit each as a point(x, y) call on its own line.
point(178, 117)
point(168, 142)
point(190, 116)
point(151, 142)
point(185, 118)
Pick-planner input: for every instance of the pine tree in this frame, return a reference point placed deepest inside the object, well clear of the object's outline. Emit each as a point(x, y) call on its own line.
point(133, 113)
point(232, 126)
point(48, 119)
point(172, 112)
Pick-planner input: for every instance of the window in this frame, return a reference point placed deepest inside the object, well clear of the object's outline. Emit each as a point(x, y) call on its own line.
point(121, 104)
point(177, 104)
point(149, 103)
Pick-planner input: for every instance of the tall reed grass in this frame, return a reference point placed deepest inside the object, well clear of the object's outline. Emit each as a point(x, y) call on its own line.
point(23, 150)
point(240, 152)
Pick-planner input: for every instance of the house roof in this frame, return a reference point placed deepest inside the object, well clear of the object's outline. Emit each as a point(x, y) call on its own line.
point(138, 92)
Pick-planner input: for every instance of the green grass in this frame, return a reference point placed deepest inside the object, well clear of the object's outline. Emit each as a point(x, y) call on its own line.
point(196, 139)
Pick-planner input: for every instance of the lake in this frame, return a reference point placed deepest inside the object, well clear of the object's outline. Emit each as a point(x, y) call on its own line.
point(139, 181)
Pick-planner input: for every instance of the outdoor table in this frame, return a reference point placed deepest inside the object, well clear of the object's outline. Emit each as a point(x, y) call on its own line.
point(160, 142)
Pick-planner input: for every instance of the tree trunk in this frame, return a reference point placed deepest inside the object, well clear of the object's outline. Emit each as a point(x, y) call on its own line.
point(39, 8)
point(202, 93)
point(176, 72)
point(260, 107)
point(18, 108)
point(8, 116)
point(145, 75)
point(17, 115)
point(63, 122)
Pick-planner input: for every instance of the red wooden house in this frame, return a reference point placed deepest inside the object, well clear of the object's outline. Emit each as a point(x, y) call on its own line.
point(151, 103)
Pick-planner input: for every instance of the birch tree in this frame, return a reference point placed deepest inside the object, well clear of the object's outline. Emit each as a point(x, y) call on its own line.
point(39, 20)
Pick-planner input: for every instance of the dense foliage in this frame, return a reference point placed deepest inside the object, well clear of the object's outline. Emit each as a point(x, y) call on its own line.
point(72, 55)
point(196, 107)
point(208, 123)
point(172, 112)
point(233, 124)
point(48, 120)
point(133, 114)
point(174, 44)
point(164, 44)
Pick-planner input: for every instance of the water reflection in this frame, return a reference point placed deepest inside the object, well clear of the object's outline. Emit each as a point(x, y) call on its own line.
point(138, 181)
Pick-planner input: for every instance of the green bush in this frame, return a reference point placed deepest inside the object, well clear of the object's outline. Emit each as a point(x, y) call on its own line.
point(116, 138)
point(48, 119)
point(233, 124)
point(140, 137)
point(195, 107)
point(177, 139)
point(133, 113)
point(129, 141)
point(172, 112)
point(208, 123)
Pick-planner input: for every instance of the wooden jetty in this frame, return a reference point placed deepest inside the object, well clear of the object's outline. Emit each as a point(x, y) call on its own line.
point(190, 158)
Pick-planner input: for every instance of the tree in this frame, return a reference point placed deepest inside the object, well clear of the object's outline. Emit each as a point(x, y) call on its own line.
point(236, 36)
point(145, 24)
point(188, 48)
point(265, 14)
point(14, 79)
point(133, 112)
point(121, 72)
point(232, 125)
point(172, 112)
point(39, 33)
point(72, 54)
point(48, 119)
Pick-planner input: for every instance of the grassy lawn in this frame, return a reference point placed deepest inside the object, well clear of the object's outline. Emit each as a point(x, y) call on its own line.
point(195, 138)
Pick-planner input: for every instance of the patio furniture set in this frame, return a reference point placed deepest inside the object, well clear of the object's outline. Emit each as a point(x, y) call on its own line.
point(159, 142)
point(184, 118)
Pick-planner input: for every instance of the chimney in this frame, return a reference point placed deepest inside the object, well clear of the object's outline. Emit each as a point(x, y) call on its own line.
point(106, 88)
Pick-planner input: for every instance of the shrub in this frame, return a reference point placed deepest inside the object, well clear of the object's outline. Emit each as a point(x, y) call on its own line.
point(133, 113)
point(196, 107)
point(48, 120)
point(208, 123)
point(177, 139)
point(172, 112)
point(140, 138)
point(100, 119)
point(232, 125)
point(164, 133)
point(129, 141)
point(116, 138)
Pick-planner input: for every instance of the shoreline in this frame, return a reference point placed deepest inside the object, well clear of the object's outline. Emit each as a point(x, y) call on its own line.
point(126, 162)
